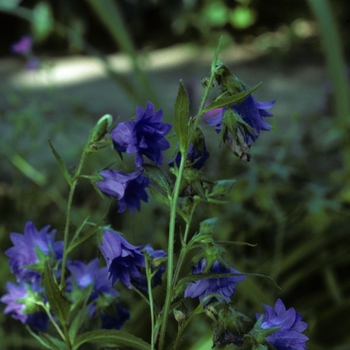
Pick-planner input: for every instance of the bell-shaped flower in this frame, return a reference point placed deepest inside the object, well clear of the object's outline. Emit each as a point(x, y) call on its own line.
point(129, 189)
point(144, 136)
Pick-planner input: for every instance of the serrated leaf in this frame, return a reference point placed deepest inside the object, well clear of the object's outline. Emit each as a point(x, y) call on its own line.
point(58, 303)
point(42, 22)
point(160, 177)
point(60, 163)
point(181, 113)
point(112, 338)
point(226, 101)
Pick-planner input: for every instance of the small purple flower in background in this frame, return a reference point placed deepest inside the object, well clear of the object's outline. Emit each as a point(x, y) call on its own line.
point(290, 336)
point(23, 46)
point(143, 136)
point(123, 259)
point(195, 158)
point(20, 300)
point(224, 286)
point(23, 252)
point(129, 189)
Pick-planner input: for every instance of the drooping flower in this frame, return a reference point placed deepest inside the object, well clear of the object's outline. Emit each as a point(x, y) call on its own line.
point(242, 124)
point(224, 286)
point(143, 136)
point(129, 189)
point(289, 336)
point(21, 304)
point(23, 46)
point(24, 252)
point(123, 259)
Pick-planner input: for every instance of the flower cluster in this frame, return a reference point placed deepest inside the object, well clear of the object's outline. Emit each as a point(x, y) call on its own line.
point(28, 256)
point(144, 136)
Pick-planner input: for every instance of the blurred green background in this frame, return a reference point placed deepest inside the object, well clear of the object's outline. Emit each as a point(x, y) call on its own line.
point(292, 199)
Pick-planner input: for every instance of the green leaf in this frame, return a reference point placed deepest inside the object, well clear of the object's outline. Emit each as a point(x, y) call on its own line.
point(160, 177)
point(58, 303)
point(112, 338)
point(48, 341)
point(61, 163)
point(181, 114)
point(42, 22)
point(225, 101)
point(216, 55)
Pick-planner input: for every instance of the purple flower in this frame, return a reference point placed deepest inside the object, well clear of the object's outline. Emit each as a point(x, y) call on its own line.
point(252, 113)
point(24, 251)
point(194, 158)
point(143, 136)
point(23, 46)
point(123, 259)
point(290, 336)
point(128, 188)
point(224, 286)
point(20, 300)
point(85, 275)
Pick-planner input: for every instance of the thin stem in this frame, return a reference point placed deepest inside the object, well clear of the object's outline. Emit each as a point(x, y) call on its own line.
point(170, 264)
point(47, 310)
point(150, 297)
point(69, 207)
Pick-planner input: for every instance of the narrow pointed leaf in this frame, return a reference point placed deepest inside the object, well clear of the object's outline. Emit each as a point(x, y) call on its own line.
point(230, 100)
point(61, 163)
point(58, 303)
point(216, 55)
point(181, 113)
point(112, 338)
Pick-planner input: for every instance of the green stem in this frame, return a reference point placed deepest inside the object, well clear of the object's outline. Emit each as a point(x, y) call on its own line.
point(170, 263)
point(150, 297)
point(69, 207)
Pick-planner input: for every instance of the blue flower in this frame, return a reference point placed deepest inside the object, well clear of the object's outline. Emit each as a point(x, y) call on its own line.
point(128, 188)
point(194, 158)
point(21, 304)
point(290, 336)
point(85, 275)
point(224, 286)
point(242, 124)
point(123, 259)
point(143, 136)
point(24, 251)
